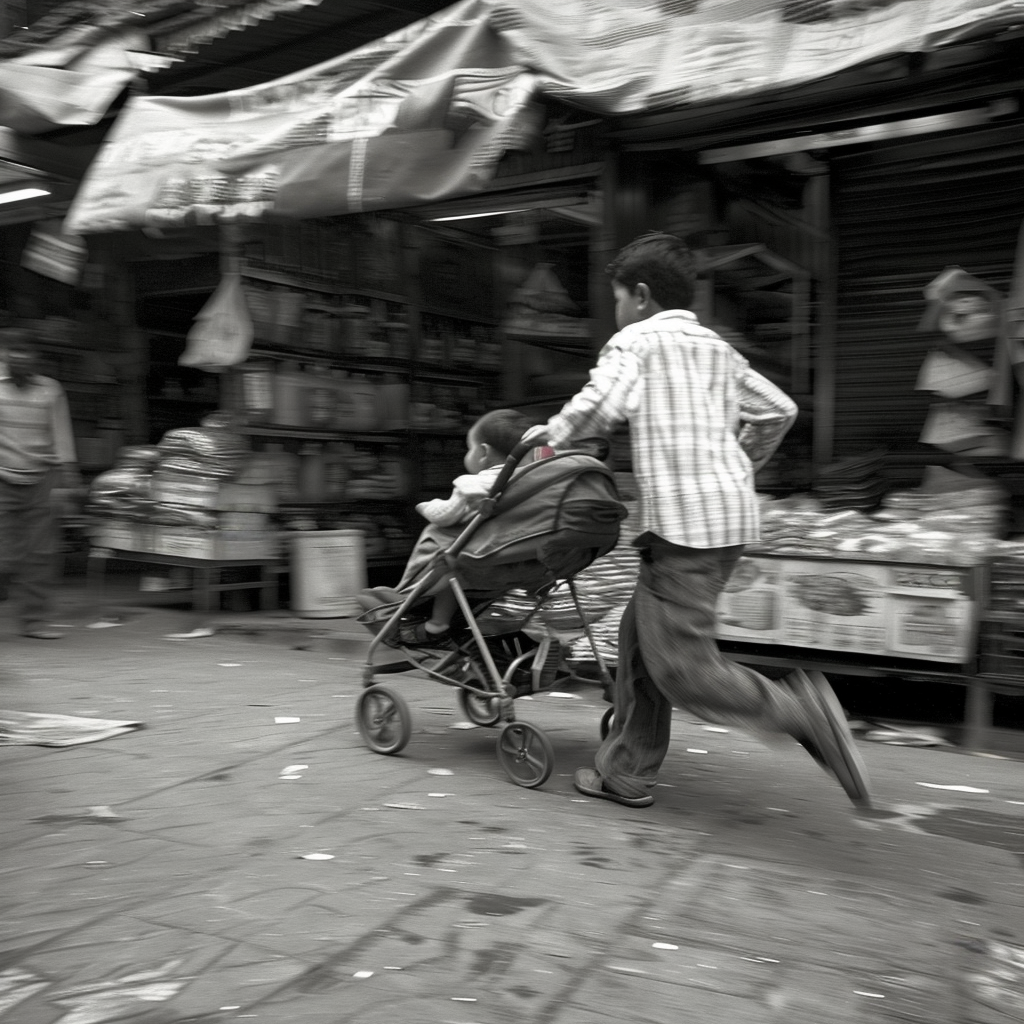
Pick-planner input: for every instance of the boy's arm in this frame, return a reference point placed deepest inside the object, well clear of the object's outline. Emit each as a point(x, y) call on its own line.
point(603, 402)
point(766, 414)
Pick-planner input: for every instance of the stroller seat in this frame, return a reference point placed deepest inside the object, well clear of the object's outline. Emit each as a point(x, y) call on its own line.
point(542, 523)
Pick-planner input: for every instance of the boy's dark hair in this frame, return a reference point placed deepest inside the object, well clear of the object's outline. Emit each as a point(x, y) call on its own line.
point(663, 262)
point(503, 429)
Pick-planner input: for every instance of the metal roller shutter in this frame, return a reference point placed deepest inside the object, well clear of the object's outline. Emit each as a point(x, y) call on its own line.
point(902, 213)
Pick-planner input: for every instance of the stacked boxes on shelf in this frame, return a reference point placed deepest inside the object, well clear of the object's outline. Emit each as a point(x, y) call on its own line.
point(241, 513)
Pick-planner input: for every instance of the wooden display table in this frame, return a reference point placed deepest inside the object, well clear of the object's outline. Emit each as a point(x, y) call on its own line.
point(207, 579)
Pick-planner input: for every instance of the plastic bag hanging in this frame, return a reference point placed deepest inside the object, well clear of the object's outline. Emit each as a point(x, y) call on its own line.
point(961, 306)
point(222, 334)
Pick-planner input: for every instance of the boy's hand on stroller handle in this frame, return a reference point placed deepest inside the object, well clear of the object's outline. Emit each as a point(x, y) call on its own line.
point(535, 437)
point(516, 456)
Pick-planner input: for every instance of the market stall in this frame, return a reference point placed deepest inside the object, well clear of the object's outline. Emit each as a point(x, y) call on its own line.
point(339, 320)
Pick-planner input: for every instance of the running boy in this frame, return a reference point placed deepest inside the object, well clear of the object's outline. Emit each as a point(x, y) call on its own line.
point(702, 422)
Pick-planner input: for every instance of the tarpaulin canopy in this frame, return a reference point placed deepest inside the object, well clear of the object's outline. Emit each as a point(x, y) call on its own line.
point(72, 81)
point(425, 113)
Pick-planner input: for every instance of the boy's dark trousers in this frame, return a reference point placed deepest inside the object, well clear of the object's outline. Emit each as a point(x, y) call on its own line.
point(668, 657)
point(28, 544)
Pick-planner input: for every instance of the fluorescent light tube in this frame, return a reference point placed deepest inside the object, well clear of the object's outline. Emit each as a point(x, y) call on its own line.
point(23, 193)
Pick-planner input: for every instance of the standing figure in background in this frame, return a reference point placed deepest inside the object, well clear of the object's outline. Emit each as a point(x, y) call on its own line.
point(702, 422)
point(37, 455)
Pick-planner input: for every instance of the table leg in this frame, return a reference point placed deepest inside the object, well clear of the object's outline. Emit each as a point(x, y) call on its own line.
point(202, 597)
point(96, 578)
point(268, 588)
point(978, 716)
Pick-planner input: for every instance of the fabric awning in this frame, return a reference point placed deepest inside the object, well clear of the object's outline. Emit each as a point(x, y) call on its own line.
point(73, 81)
point(426, 113)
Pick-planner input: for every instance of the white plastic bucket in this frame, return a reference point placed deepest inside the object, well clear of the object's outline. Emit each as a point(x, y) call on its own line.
point(328, 570)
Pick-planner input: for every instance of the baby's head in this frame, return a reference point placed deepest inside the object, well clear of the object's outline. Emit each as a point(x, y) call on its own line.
point(492, 438)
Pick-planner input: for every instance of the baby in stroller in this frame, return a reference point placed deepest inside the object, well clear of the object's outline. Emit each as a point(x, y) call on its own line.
point(488, 444)
point(526, 521)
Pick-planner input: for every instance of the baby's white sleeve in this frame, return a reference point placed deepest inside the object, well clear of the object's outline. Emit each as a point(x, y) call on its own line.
point(444, 511)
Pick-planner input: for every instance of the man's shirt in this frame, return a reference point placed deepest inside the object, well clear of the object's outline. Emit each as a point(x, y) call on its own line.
point(35, 428)
point(701, 423)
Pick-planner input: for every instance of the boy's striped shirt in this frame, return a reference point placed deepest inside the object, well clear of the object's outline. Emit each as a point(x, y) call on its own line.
point(701, 421)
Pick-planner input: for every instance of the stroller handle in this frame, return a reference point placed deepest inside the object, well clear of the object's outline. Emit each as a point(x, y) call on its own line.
point(511, 464)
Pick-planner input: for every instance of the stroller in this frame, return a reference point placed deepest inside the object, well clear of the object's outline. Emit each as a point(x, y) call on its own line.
point(542, 523)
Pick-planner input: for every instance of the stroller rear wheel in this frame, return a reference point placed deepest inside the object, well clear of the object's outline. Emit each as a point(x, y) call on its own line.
point(383, 719)
point(526, 754)
point(479, 710)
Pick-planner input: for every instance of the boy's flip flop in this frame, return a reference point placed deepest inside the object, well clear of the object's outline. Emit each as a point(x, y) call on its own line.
point(589, 783)
point(833, 742)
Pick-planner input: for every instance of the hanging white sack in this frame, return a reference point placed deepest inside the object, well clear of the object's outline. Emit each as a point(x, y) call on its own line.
point(961, 306)
point(222, 334)
point(953, 374)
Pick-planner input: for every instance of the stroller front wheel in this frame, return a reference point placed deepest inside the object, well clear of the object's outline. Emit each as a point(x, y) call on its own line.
point(383, 719)
point(485, 711)
point(526, 754)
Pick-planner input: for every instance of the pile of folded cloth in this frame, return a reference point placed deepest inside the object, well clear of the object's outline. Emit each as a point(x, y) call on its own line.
point(854, 483)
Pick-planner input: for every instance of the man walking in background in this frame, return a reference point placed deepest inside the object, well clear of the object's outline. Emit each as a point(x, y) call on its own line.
point(37, 454)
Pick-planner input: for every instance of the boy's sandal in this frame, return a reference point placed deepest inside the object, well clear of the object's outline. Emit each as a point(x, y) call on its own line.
point(589, 783)
point(830, 743)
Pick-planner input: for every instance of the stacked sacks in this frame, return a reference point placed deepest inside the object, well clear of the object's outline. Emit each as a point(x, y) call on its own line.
point(124, 492)
point(194, 462)
point(179, 483)
point(213, 449)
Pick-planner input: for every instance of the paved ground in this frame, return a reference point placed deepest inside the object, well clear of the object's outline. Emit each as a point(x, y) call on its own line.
point(163, 876)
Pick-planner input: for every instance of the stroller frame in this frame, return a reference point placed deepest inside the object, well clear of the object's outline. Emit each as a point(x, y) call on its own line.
point(487, 684)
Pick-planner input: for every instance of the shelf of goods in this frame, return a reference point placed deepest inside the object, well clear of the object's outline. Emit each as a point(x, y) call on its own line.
point(373, 343)
point(553, 340)
point(761, 303)
point(89, 376)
